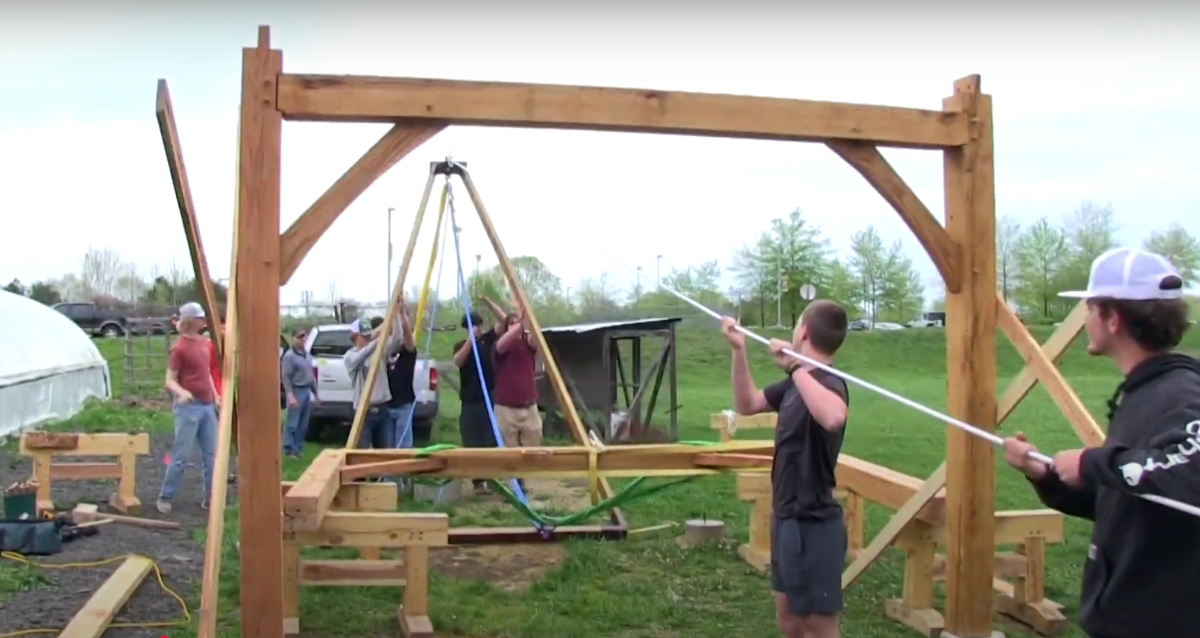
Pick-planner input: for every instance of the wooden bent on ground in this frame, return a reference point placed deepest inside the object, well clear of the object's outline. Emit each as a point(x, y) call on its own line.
point(860, 481)
point(42, 447)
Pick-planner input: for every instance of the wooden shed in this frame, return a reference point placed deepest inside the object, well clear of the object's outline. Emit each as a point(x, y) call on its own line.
point(615, 377)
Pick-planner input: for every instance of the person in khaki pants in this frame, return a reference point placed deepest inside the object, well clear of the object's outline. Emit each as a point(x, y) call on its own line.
point(515, 394)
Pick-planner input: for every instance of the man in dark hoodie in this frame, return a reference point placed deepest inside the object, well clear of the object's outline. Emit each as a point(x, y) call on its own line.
point(1143, 565)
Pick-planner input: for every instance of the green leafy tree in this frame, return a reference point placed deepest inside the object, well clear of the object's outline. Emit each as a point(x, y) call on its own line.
point(16, 287)
point(902, 295)
point(796, 253)
point(868, 262)
point(1008, 231)
point(1090, 230)
point(1042, 258)
point(1180, 247)
point(45, 292)
point(753, 274)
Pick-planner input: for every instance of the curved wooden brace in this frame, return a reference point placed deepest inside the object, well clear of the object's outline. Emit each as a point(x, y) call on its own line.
point(303, 234)
point(872, 165)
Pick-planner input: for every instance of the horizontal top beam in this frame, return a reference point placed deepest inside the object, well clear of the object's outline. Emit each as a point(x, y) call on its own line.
point(350, 98)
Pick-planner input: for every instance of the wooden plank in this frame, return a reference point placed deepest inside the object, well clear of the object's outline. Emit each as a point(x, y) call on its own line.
point(364, 396)
point(888, 488)
point(898, 522)
point(98, 612)
point(187, 213)
point(616, 460)
point(82, 471)
point(1054, 348)
point(549, 363)
point(352, 573)
point(734, 460)
point(874, 167)
point(381, 99)
point(971, 367)
point(95, 445)
point(377, 529)
point(215, 537)
point(261, 526)
point(306, 231)
point(391, 468)
point(1060, 391)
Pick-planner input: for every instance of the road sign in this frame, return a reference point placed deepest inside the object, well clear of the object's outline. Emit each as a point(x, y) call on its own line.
point(808, 292)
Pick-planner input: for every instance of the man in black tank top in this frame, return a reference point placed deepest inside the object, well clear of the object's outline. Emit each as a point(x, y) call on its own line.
point(808, 536)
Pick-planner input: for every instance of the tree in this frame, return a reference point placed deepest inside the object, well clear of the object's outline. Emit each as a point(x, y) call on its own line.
point(129, 285)
point(902, 292)
point(1090, 230)
point(868, 261)
point(16, 287)
point(1008, 231)
point(1180, 247)
point(542, 286)
point(839, 285)
point(796, 254)
point(597, 297)
point(1042, 256)
point(333, 292)
point(45, 292)
point(100, 270)
point(753, 273)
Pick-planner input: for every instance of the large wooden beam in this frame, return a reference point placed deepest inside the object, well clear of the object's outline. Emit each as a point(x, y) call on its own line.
point(562, 393)
point(351, 98)
point(187, 212)
point(304, 233)
point(971, 368)
point(872, 165)
point(615, 460)
point(261, 526)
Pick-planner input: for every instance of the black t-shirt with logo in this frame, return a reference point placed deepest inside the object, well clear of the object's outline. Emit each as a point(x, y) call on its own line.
point(802, 474)
point(400, 370)
point(469, 389)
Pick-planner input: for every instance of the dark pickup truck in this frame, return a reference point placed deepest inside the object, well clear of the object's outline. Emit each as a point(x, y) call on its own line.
point(111, 323)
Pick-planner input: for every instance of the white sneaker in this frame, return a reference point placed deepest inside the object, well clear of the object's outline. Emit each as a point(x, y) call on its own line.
point(163, 506)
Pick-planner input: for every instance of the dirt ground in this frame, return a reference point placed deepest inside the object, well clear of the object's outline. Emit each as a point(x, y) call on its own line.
point(177, 552)
point(514, 567)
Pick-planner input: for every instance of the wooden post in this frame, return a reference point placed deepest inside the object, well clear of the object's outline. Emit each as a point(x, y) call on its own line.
point(257, 289)
point(971, 368)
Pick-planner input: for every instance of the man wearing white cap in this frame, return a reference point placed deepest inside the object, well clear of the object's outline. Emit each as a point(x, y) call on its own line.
point(378, 428)
point(194, 405)
point(1143, 564)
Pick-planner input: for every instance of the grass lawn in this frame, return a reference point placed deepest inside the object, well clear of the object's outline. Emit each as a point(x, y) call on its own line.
point(649, 586)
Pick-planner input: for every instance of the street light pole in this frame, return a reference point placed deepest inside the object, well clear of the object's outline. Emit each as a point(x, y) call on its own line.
point(658, 271)
point(389, 254)
point(779, 300)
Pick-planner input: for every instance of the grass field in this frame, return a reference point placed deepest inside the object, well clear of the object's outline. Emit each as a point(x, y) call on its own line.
point(649, 586)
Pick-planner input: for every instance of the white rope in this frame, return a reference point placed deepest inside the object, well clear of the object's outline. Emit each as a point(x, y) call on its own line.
point(962, 425)
point(730, 421)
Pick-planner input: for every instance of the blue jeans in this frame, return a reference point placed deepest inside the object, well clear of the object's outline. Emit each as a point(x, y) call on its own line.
point(194, 422)
point(295, 426)
point(378, 429)
point(404, 427)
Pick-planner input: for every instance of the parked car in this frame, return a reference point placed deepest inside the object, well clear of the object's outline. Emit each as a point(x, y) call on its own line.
point(929, 320)
point(94, 321)
point(328, 344)
point(859, 324)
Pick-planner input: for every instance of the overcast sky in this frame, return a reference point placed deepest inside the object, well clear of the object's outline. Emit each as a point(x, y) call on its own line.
point(1098, 105)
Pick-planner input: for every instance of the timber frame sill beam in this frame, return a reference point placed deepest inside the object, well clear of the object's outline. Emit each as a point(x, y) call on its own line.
point(354, 98)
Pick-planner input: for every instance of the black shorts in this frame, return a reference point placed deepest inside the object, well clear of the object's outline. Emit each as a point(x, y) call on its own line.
point(807, 558)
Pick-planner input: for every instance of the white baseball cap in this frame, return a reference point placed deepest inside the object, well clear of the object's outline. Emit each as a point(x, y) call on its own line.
point(1131, 274)
point(191, 310)
point(361, 327)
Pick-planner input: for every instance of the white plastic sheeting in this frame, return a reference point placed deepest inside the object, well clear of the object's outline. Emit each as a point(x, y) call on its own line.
point(48, 366)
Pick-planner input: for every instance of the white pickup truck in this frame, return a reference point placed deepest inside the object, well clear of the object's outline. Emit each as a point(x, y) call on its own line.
point(327, 344)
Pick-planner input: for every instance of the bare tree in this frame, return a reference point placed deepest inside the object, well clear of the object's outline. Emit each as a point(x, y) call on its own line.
point(1008, 232)
point(1180, 247)
point(130, 285)
point(334, 292)
point(177, 275)
point(100, 270)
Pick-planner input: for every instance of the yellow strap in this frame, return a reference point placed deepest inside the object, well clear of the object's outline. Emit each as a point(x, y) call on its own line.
point(437, 235)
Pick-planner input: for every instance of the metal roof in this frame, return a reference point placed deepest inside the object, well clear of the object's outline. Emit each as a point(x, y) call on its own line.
point(581, 328)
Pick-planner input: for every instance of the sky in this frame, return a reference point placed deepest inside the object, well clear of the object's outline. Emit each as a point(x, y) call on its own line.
point(1096, 105)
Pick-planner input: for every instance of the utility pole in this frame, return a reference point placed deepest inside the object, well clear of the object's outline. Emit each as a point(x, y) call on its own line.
point(637, 294)
point(389, 254)
point(658, 271)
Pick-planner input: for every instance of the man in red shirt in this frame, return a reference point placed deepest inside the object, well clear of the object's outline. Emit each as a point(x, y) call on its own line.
point(193, 388)
point(515, 395)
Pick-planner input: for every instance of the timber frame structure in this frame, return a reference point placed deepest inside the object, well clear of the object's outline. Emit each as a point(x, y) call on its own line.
point(963, 250)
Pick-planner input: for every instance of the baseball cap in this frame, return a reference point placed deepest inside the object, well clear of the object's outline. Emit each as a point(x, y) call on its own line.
point(360, 327)
point(191, 310)
point(1131, 274)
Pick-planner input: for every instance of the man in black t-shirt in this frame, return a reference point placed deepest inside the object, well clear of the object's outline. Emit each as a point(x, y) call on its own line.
point(473, 422)
point(808, 536)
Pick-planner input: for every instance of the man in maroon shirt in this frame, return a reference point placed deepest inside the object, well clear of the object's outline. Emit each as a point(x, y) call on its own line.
point(190, 381)
point(515, 395)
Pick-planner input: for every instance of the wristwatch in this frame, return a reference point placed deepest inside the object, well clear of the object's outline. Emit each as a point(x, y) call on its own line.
point(793, 368)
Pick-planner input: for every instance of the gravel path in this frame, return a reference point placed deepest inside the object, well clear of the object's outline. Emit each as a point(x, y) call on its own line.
point(178, 552)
